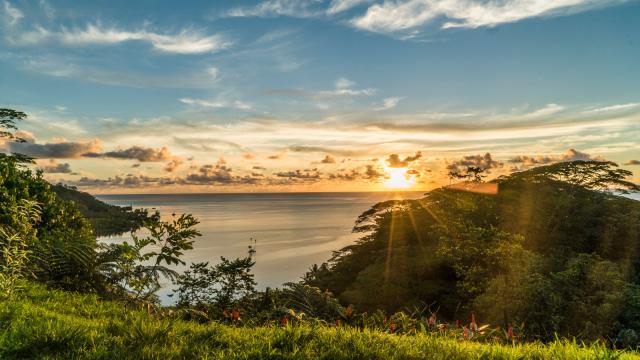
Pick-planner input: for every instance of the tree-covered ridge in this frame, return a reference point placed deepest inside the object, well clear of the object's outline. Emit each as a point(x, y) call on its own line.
point(106, 219)
point(549, 252)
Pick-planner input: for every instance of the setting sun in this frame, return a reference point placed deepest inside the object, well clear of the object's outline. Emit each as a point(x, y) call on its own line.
point(398, 178)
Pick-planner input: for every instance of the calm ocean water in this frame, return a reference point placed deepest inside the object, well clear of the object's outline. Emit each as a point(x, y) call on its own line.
point(293, 230)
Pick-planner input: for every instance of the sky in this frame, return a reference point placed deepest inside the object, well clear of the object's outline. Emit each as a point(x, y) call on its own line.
point(317, 95)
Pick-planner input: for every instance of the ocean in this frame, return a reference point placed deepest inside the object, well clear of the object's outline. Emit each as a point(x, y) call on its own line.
point(293, 231)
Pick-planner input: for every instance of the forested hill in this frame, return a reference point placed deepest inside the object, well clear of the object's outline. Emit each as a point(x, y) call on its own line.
point(106, 219)
point(545, 248)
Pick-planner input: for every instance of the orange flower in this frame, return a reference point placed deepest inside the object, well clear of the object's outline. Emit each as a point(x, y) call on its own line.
point(392, 328)
point(235, 314)
point(465, 333)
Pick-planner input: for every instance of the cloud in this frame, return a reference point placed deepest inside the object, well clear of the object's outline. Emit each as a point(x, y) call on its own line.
point(484, 162)
point(119, 181)
point(11, 14)
point(632, 162)
point(328, 159)
point(134, 153)
point(338, 6)
point(612, 108)
point(54, 167)
point(342, 88)
point(547, 110)
point(571, 155)
point(389, 103)
point(219, 174)
point(186, 41)
point(373, 173)
point(60, 149)
point(237, 104)
point(173, 164)
point(392, 16)
point(275, 8)
point(395, 161)
point(306, 174)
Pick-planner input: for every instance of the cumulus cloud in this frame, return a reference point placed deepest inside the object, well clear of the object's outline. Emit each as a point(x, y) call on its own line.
point(134, 153)
point(328, 159)
point(173, 164)
point(306, 174)
point(54, 167)
point(484, 162)
point(395, 161)
point(389, 103)
point(571, 155)
point(58, 149)
point(373, 173)
point(393, 16)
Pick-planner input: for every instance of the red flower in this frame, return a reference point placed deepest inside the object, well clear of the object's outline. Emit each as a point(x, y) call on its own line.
point(338, 322)
point(457, 323)
point(510, 335)
point(284, 321)
point(465, 333)
point(473, 325)
point(392, 328)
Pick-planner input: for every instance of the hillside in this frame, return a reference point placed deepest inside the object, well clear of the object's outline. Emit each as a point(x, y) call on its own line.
point(43, 324)
point(106, 219)
point(546, 249)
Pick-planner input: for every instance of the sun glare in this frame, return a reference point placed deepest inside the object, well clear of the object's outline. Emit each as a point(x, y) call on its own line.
point(398, 178)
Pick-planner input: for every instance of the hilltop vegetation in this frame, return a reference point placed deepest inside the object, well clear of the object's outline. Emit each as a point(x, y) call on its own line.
point(547, 251)
point(105, 219)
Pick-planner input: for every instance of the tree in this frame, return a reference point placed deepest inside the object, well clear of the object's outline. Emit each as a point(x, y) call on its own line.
point(220, 286)
point(591, 175)
point(136, 269)
point(8, 128)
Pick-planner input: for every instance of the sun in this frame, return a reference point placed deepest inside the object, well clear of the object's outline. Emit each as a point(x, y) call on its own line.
point(398, 178)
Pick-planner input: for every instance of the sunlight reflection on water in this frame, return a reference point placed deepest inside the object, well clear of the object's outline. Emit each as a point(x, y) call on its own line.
point(293, 230)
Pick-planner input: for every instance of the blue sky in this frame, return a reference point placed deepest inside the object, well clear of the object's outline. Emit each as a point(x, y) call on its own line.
point(284, 95)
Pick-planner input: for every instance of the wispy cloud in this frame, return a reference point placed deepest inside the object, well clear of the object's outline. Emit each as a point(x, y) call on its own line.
point(186, 41)
point(612, 108)
point(393, 16)
point(236, 104)
point(338, 6)
point(12, 15)
point(272, 8)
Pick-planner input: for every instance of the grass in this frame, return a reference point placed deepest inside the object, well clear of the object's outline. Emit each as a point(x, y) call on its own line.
point(45, 324)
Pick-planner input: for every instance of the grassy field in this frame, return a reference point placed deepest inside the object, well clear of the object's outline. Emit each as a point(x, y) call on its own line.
point(57, 325)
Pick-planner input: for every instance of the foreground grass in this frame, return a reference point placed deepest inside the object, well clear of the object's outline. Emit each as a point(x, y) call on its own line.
point(46, 324)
